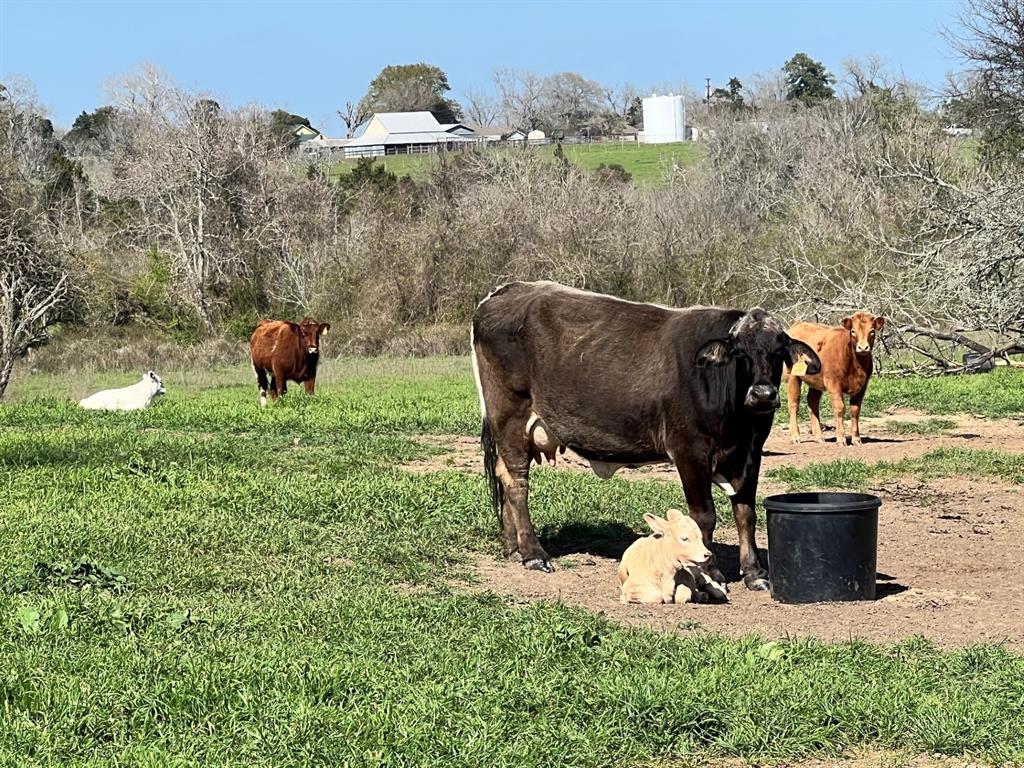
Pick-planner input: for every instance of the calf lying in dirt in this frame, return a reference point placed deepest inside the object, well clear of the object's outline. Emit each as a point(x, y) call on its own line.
point(664, 567)
point(133, 398)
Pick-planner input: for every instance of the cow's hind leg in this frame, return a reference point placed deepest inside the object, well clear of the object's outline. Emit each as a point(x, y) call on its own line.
point(793, 395)
point(513, 471)
point(814, 406)
point(261, 382)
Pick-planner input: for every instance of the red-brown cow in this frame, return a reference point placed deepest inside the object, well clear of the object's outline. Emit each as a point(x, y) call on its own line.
point(286, 352)
point(846, 367)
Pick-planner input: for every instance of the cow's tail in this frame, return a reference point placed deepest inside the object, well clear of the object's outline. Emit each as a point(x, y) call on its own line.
point(491, 469)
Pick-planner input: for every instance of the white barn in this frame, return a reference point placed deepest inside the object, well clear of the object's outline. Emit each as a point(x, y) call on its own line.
point(400, 133)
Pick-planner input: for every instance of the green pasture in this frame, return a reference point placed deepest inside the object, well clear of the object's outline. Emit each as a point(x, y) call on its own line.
point(208, 583)
point(647, 163)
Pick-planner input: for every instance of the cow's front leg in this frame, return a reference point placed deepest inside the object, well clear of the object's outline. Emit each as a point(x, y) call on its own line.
point(696, 477)
point(754, 574)
point(839, 409)
point(310, 385)
point(855, 401)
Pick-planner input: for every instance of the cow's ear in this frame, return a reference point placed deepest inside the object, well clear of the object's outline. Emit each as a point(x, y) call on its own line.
point(797, 350)
point(324, 328)
point(847, 323)
point(716, 352)
point(879, 322)
point(674, 516)
point(658, 525)
point(151, 375)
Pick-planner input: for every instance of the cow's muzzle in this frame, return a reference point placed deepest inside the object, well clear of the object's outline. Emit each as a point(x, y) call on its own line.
point(865, 350)
point(313, 350)
point(762, 398)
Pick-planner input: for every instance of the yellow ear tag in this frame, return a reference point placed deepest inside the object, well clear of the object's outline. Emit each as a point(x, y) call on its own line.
point(799, 368)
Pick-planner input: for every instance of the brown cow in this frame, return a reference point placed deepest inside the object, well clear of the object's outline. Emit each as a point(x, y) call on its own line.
point(846, 365)
point(287, 352)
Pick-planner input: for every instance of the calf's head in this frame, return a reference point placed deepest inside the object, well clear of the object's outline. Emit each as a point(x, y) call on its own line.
point(680, 536)
point(156, 385)
point(759, 346)
point(863, 327)
point(310, 332)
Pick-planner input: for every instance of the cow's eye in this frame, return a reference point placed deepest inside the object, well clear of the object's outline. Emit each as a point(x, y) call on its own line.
point(684, 538)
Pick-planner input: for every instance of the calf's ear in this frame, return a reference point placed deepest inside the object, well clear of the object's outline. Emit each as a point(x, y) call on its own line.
point(847, 323)
point(797, 349)
point(324, 328)
point(879, 322)
point(674, 516)
point(716, 352)
point(658, 525)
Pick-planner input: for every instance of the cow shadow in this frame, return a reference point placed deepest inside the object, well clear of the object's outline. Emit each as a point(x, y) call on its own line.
point(598, 539)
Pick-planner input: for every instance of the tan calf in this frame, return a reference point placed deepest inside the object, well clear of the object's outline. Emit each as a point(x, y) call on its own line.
point(846, 366)
point(662, 568)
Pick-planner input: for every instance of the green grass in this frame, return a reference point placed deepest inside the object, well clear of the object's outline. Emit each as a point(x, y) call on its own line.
point(648, 163)
point(854, 474)
point(208, 583)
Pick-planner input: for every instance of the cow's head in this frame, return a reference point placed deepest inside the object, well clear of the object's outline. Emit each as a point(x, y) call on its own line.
point(310, 332)
point(759, 346)
point(863, 327)
point(681, 536)
point(155, 383)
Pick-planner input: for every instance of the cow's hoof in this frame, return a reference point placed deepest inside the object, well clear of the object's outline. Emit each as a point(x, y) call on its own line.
point(538, 564)
point(855, 441)
point(795, 439)
point(756, 582)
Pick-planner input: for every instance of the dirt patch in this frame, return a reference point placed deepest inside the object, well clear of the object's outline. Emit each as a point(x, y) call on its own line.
point(947, 565)
point(947, 549)
point(463, 453)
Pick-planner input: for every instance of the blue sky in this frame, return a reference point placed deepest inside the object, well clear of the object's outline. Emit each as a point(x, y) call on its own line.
point(310, 57)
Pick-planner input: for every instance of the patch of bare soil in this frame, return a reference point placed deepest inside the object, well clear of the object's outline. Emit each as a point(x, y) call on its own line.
point(947, 570)
point(463, 453)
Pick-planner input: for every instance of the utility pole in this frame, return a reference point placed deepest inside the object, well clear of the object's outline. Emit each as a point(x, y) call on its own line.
point(707, 91)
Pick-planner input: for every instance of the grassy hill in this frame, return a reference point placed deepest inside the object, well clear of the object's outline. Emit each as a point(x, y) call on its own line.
point(647, 163)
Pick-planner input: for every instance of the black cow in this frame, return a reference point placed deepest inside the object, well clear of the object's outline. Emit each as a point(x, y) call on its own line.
point(624, 384)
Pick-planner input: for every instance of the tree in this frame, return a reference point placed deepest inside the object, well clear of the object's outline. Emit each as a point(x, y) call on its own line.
point(352, 117)
point(482, 107)
point(520, 93)
point(991, 40)
point(570, 101)
point(807, 81)
point(93, 133)
point(411, 88)
point(283, 124)
point(731, 96)
point(34, 284)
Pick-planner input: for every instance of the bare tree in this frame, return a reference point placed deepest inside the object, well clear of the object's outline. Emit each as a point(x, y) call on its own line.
point(34, 285)
point(482, 107)
point(353, 116)
point(521, 93)
point(991, 39)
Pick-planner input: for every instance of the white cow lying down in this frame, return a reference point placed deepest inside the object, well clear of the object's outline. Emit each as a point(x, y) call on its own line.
point(133, 398)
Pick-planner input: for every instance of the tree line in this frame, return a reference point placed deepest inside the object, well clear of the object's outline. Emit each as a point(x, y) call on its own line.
point(171, 211)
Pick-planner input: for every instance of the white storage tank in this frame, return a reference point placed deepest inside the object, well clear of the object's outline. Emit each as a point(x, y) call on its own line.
point(664, 119)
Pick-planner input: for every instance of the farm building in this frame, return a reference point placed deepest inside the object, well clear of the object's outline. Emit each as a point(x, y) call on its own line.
point(400, 133)
point(664, 119)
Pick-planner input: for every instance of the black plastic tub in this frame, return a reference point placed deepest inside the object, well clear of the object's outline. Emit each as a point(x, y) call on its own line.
point(822, 547)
